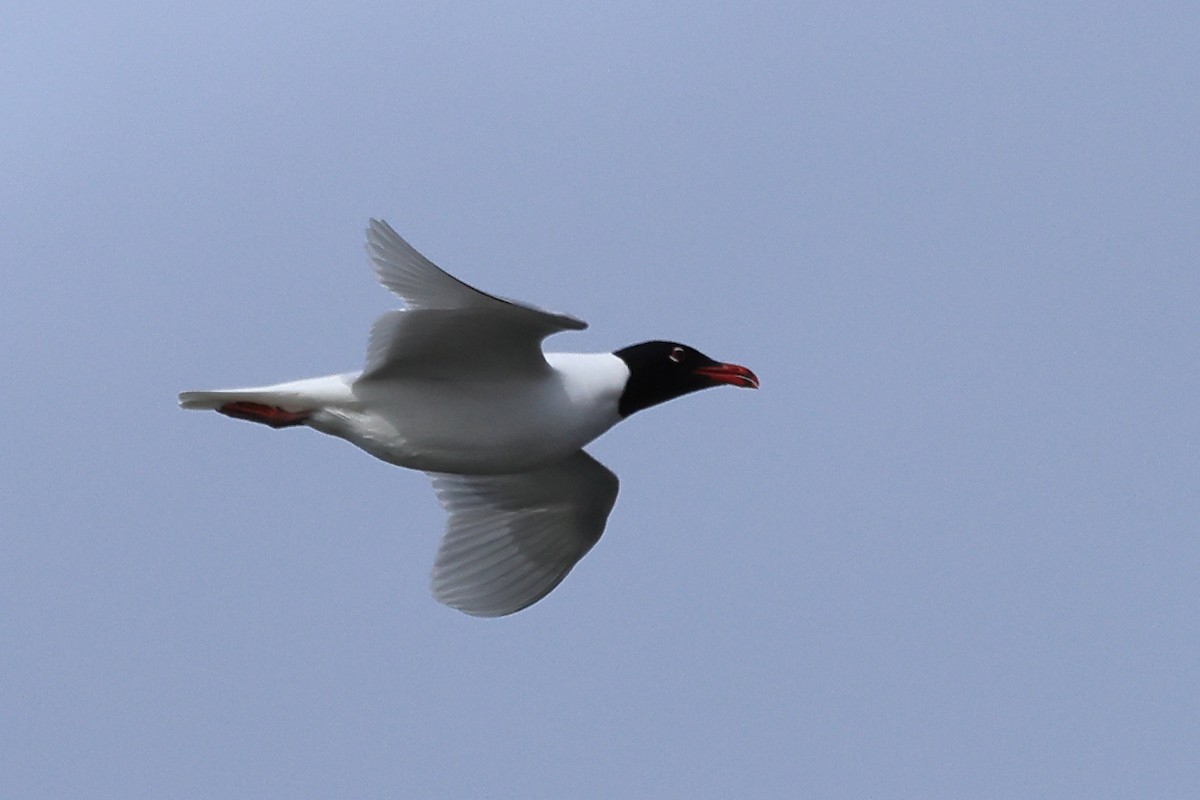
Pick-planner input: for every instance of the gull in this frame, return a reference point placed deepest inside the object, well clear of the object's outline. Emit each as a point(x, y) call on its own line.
point(457, 385)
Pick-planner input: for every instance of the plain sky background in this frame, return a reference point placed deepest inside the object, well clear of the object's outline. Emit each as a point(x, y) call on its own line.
point(949, 550)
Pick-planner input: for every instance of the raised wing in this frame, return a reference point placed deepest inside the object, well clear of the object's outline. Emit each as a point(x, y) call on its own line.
point(449, 326)
point(422, 284)
point(511, 539)
point(452, 344)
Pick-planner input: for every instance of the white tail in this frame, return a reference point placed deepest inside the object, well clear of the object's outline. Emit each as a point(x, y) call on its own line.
point(305, 395)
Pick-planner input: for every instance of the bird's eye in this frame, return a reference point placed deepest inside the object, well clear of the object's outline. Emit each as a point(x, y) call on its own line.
point(677, 354)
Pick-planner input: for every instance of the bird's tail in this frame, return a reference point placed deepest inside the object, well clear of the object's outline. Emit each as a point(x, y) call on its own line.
point(280, 406)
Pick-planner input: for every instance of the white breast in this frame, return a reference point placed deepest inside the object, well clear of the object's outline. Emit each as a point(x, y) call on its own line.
point(484, 427)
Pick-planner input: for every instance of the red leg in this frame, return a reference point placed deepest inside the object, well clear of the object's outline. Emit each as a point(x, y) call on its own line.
point(268, 415)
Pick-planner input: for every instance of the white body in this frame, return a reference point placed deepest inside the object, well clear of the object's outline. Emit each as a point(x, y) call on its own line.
point(464, 426)
point(457, 385)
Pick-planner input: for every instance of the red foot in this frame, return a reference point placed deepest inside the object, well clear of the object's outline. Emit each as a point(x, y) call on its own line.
point(268, 415)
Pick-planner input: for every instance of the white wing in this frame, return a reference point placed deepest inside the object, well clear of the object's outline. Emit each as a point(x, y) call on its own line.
point(511, 539)
point(450, 327)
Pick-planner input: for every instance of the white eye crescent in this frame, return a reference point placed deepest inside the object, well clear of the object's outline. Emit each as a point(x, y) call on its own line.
point(677, 354)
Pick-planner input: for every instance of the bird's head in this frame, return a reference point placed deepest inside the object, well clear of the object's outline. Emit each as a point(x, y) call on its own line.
point(661, 371)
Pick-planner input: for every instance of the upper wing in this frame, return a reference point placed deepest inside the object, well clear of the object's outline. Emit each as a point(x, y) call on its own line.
point(449, 326)
point(510, 539)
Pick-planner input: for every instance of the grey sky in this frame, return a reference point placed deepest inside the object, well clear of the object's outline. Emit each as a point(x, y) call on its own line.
point(948, 550)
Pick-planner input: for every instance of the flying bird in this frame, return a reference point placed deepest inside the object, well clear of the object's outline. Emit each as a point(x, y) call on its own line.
point(457, 385)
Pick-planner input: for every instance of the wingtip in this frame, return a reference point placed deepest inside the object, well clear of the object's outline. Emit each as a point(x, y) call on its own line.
point(382, 244)
point(378, 231)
